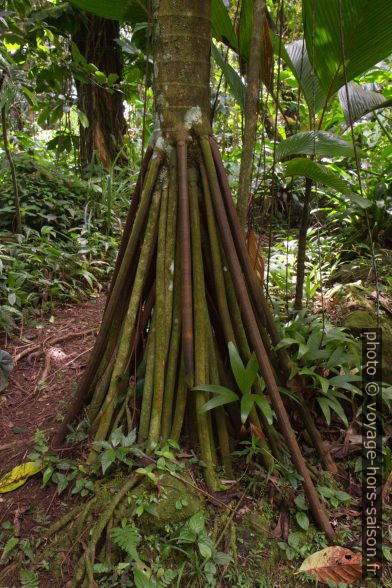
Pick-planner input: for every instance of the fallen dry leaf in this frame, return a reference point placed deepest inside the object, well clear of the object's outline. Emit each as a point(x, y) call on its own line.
point(334, 563)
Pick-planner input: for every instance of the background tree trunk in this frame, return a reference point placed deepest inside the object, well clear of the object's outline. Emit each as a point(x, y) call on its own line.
point(96, 41)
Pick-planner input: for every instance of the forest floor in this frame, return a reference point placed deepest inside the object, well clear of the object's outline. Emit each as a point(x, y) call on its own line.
point(49, 360)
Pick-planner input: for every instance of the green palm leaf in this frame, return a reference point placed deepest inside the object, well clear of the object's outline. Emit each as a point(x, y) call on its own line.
point(234, 81)
point(315, 142)
point(367, 34)
point(323, 175)
point(133, 11)
point(296, 56)
point(222, 27)
point(361, 101)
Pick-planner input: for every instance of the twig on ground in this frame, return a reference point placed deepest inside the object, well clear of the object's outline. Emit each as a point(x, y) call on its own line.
point(50, 341)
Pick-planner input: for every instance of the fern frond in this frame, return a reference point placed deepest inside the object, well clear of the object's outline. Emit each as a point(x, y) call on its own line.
point(127, 538)
point(28, 579)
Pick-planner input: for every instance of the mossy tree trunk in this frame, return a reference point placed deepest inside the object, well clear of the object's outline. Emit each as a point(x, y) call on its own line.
point(183, 285)
point(96, 41)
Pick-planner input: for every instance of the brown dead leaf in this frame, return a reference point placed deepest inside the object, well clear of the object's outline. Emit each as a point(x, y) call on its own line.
point(282, 526)
point(334, 563)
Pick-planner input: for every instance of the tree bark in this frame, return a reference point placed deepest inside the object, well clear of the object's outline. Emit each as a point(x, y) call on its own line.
point(96, 41)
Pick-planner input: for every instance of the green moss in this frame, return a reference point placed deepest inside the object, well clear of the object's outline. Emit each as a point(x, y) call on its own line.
point(173, 492)
point(262, 552)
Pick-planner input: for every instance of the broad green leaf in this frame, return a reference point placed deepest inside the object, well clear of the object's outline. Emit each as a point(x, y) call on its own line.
point(315, 339)
point(245, 28)
point(325, 491)
point(286, 342)
point(222, 396)
point(323, 175)
point(302, 350)
point(317, 143)
point(197, 522)
point(344, 381)
point(9, 547)
point(205, 546)
point(237, 367)
point(132, 11)
point(324, 383)
point(265, 408)
point(106, 458)
point(361, 101)
point(367, 38)
point(30, 95)
point(303, 520)
point(247, 403)
point(296, 57)
point(338, 408)
point(234, 81)
point(324, 405)
point(83, 119)
point(300, 502)
point(343, 496)
point(335, 357)
point(250, 372)
point(214, 389)
point(222, 27)
point(19, 476)
point(47, 475)
point(343, 378)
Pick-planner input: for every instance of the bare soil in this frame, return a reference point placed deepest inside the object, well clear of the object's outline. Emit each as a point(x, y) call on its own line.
point(40, 388)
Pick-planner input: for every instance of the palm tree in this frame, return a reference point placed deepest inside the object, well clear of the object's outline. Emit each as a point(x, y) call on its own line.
point(183, 285)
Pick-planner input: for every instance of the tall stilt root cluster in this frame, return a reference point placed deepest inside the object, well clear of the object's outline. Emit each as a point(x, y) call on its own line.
point(183, 288)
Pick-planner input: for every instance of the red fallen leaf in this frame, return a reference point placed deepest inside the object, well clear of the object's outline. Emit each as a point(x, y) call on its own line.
point(334, 563)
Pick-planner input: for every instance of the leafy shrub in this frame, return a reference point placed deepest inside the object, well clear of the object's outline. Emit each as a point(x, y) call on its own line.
point(37, 269)
point(47, 196)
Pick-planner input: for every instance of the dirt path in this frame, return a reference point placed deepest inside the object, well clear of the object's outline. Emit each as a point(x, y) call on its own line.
point(37, 396)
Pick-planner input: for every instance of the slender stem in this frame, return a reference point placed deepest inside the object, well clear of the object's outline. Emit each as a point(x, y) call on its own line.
point(302, 238)
point(174, 353)
point(162, 331)
point(105, 518)
point(220, 415)
point(148, 388)
point(204, 427)
point(251, 111)
point(217, 265)
point(260, 304)
point(186, 261)
point(257, 344)
point(123, 353)
point(18, 215)
point(121, 282)
point(181, 398)
point(132, 211)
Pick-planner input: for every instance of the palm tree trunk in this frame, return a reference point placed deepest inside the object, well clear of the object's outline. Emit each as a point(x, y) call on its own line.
point(184, 229)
